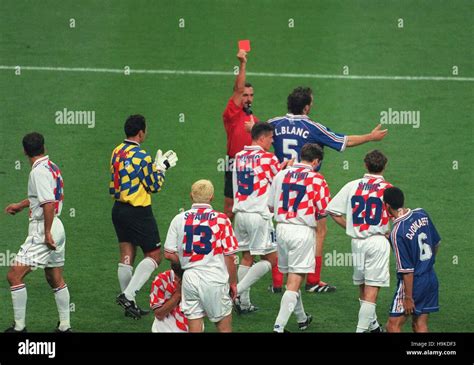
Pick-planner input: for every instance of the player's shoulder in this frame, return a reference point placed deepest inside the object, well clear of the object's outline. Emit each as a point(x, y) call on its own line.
point(276, 120)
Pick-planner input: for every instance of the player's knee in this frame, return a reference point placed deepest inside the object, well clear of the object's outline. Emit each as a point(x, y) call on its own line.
point(392, 327)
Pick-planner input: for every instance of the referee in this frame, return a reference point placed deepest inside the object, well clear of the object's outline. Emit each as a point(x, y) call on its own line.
point(238, 122)
point(134, 177)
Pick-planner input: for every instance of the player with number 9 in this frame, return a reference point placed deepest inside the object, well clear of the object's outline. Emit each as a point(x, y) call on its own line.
point(366, 221)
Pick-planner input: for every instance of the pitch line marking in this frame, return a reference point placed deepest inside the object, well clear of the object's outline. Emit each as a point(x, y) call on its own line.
point(228, 73)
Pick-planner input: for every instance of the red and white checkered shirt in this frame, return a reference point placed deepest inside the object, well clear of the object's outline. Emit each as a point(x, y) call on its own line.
point(201, 237)
point(299, 195)
point(361, 201)
point(254, 170)
point(162, 289)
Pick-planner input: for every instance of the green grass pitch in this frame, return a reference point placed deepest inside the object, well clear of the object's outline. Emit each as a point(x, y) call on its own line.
point(432, 164)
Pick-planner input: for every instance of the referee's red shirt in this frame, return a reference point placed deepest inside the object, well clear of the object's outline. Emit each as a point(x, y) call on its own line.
point(234, 119)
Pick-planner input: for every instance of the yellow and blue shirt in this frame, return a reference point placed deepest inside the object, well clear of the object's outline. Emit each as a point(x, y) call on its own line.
point(134, 176)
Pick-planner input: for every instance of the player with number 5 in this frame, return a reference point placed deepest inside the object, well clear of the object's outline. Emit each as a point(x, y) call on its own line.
point(367, 222)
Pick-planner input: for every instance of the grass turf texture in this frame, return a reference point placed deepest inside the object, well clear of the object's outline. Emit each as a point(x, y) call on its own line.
point(145, 35)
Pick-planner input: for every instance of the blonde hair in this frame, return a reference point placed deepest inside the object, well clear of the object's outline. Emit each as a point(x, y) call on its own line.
point(202, 191)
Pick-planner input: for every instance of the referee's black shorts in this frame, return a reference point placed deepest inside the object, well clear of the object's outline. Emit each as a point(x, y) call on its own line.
point(228, 188)
point(136, 225)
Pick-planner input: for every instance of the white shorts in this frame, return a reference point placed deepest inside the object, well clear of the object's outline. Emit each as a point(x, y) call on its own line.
point(166, 325)
point(296, 248)
point(204, 298)
point(254, 233)
point(34, 251)
point(370, 257)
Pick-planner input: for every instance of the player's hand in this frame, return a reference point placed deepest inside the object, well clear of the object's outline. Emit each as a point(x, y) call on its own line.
point(242, 56)
point(409, 305)
point(165, 161)
point(249, 125)
point(233, 291)
point(378, 134)
point(287, 163)
point(48, 240)
point(13, 208)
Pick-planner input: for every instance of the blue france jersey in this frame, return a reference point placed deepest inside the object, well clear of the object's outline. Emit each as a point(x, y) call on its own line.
point(292, 132)
point(413, 240)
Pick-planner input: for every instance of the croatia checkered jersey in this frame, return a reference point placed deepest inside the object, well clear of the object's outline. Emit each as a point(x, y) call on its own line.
point(134, 176)
point(361, 201)
point(414, 238)
point(253, 173)
point(299, 195)
point(162, 289)
point(202, 237)
point(45, 185)
point(292, 132)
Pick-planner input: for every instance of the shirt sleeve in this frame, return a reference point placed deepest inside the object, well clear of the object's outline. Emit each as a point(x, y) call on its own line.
point(338, 204)
point(322, 200)
point(172, 238)
point(403, 254)
point(325, 137)
point(274, 168)
point(228, 240)
point(435, 237)
point(45, 185)
point(230, 111)
point(151, 178)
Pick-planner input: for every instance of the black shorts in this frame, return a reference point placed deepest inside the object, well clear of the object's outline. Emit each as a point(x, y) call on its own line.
point(228, 188)
point(136, 225)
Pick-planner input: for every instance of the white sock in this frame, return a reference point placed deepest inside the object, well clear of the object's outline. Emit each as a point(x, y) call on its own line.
point(61, 295)
point(374, 324)
point(245, 295)
point(287, 306)
point(254, 273)
point(142, 273)
point(19, 297)
point(299, 309)
point(124, 273)
point(366, 315)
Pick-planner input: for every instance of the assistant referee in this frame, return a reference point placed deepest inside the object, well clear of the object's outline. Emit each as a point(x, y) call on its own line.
point(134, 177)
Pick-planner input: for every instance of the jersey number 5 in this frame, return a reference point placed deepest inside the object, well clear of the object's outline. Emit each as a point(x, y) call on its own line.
point(289, 149)
point(201, 247)
point(359, 205)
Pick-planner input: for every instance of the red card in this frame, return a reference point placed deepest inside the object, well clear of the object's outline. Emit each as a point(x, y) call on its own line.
point(244, 45)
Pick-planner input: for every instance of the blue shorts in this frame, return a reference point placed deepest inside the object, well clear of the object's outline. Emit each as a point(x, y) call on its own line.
point(425, 295)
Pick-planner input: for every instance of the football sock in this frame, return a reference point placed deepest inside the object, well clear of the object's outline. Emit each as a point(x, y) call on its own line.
point(124, 273)
point(277, 277)
point(315, 278)
point(245, 295)
point(19, 297)
point(366, 315)
point(61, 295)
point(374, 324)
point(287, 306)
point(252, 276)
point(142, 273)
point(299, 309)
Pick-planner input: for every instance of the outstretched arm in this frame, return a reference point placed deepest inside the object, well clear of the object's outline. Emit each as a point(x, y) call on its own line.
point(377, 134)
point(239, 85)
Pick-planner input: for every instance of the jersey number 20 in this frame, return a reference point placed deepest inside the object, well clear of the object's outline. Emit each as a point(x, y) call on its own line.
point(359, 205)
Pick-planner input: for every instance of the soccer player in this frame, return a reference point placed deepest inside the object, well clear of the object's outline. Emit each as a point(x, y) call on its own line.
point(45, 245)
point(165, 301)
point(366, 221)
point(254, 170)
point(415, 242)
point(292, 131)
point(238, 122)
point(134, 177)
point(202, 241)
point(298, 197)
